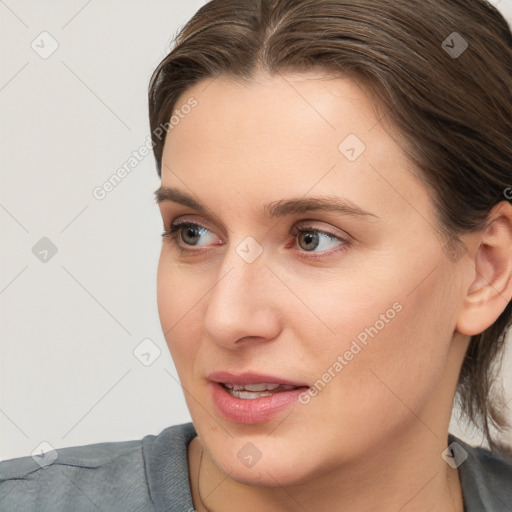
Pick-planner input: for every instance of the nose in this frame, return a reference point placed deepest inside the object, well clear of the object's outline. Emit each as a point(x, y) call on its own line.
point(242, 306)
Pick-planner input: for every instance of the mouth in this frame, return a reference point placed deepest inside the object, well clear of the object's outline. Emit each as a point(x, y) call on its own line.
point(253, 398)
point(252, 391)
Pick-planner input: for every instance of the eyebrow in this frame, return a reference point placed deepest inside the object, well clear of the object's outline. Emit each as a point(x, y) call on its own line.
point(281, 208)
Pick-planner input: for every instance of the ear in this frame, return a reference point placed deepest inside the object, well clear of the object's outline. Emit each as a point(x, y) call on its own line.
point(491, 273)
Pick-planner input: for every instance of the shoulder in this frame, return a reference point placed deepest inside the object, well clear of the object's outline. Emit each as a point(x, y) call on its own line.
point(167, 467)
point(486, 478)
point(107, 476)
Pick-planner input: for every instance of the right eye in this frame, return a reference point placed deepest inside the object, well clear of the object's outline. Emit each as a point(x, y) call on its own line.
point(193, 231)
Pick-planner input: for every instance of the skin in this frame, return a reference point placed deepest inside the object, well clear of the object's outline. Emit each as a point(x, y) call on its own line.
point(372, 438)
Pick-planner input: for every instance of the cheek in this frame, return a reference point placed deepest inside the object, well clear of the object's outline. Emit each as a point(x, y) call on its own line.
point(179, 305)
point(393, 347)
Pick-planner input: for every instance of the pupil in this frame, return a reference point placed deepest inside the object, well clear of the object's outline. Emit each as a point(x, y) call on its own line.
point(191, 231)
point(310, 238)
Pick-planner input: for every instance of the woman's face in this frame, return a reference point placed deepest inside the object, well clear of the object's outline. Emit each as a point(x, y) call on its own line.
point(359, 311)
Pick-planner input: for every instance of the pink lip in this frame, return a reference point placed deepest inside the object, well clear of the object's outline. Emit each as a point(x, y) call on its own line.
point(256, 410)
point(251, 378)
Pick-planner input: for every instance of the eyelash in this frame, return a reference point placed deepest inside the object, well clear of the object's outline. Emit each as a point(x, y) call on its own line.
point(173, 231)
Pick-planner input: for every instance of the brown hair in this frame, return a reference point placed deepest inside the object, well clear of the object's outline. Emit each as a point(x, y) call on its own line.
point(451, 106)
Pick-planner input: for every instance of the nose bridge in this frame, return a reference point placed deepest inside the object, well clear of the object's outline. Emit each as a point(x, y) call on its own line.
point(240, 279)
point(238, 305)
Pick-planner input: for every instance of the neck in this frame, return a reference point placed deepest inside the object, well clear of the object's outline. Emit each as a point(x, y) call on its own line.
point(405, 476)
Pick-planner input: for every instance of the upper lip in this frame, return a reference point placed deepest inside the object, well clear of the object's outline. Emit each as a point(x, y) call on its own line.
point(251, 378)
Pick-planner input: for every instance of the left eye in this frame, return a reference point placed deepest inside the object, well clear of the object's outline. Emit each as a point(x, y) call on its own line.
point(312, 238)
point(309, 238)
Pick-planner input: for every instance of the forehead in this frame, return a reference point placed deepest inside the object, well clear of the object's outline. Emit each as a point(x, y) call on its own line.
point(274, 111)
point(286, 135)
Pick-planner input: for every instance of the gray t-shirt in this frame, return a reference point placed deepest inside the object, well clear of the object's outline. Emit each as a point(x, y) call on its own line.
point(151, 474)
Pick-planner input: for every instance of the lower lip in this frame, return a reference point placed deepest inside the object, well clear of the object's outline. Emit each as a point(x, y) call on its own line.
point(255, 410)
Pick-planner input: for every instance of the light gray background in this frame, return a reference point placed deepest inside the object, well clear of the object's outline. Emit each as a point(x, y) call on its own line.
point(69, 326)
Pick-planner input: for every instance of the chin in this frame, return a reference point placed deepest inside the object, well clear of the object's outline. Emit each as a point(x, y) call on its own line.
point(268, 467)
point(265, 475)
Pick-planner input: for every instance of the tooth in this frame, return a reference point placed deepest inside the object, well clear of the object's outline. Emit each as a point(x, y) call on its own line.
point(257, 387)
point(248, 395)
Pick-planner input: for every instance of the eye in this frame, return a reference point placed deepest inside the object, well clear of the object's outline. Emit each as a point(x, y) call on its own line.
point(309, 238)
point(193, 232)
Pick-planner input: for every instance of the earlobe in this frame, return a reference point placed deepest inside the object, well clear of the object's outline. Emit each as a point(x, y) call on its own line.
point(491, 267)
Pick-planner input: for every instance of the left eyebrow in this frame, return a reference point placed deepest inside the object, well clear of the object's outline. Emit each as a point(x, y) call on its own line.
point(281, 208)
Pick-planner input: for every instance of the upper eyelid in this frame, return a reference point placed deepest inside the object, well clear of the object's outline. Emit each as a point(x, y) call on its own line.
point(184, 219)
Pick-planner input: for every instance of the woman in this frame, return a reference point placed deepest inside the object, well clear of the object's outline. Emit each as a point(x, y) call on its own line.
point(336, 265)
